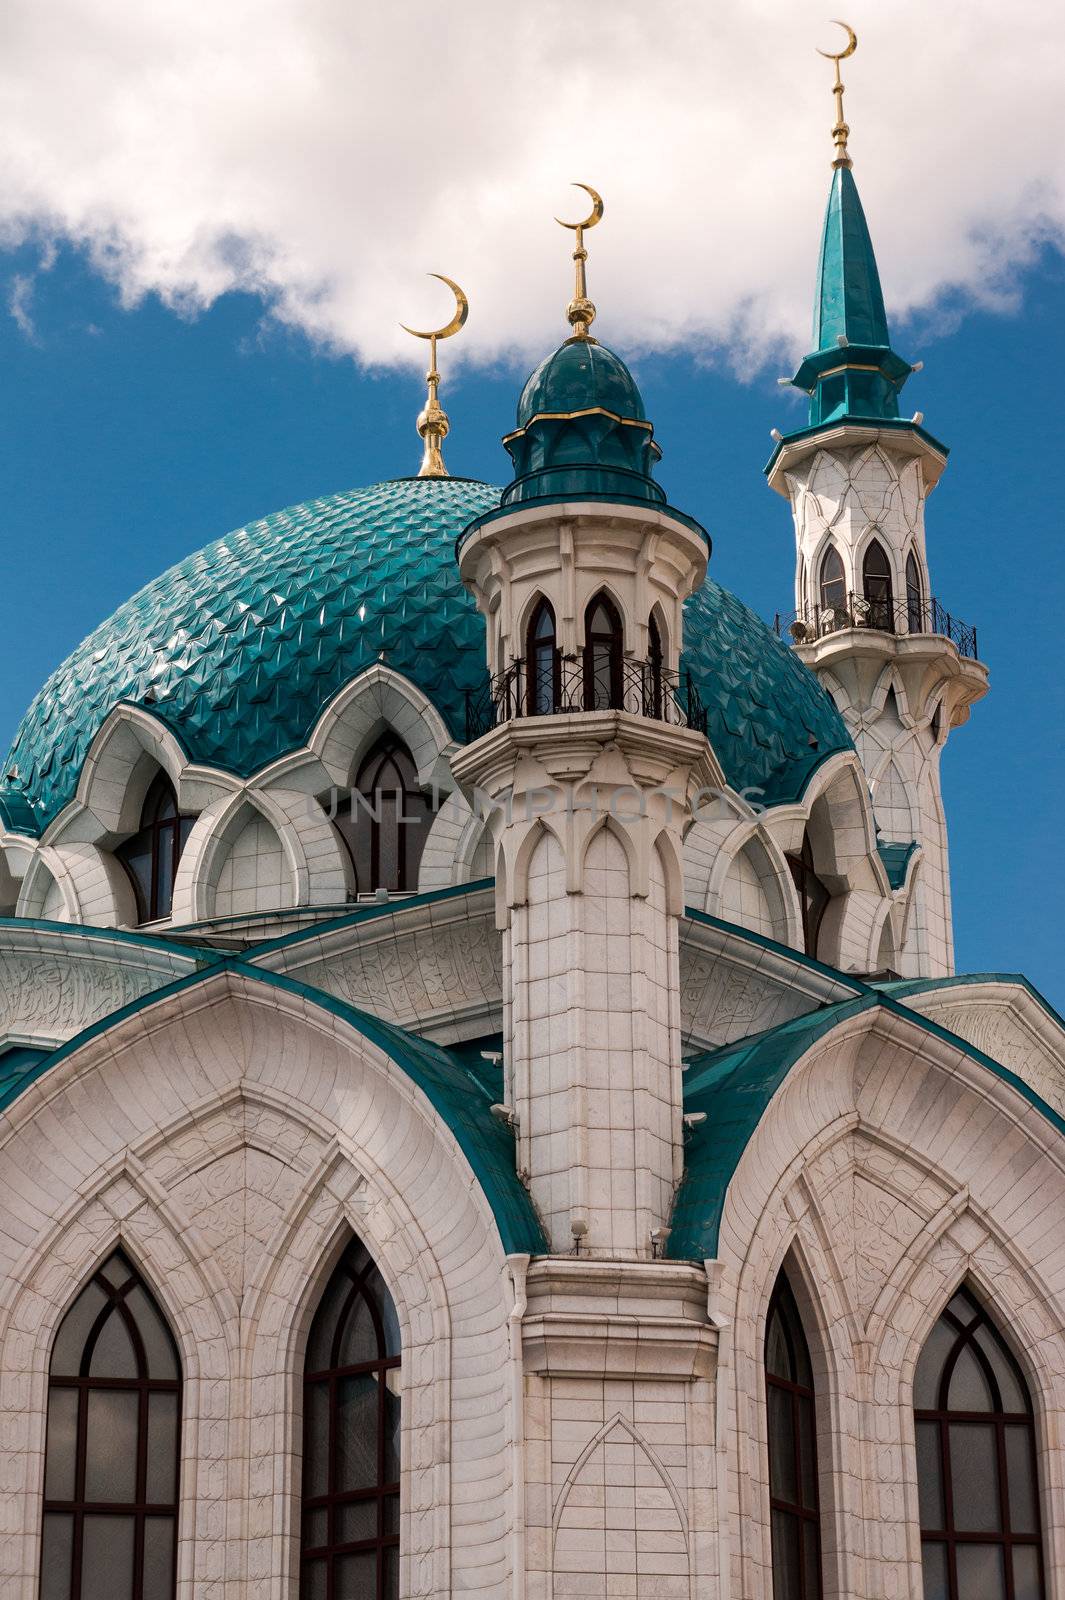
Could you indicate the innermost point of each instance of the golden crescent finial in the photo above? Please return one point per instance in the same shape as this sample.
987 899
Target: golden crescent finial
581 311
841 130
433 425
852 42
462 311
596 211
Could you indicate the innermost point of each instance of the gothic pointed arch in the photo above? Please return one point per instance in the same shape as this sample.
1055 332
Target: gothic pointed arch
795 1515
914 594
877 587
603 654
543 663
112 1447
832 581
385 820
977 1466
151 856
351 1437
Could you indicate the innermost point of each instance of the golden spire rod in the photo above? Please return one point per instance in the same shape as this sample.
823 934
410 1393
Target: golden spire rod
841 130
581 311
433 424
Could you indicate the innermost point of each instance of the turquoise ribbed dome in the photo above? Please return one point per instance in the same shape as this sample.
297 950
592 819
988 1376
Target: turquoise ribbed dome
239 648
580 375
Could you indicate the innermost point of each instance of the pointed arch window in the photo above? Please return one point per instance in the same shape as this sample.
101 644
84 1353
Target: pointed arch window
603 652
792 1434
914 595
351 1438
833 583
111 1456
876 587
976 1463
813 894
386 819
151 856
544 665
655 665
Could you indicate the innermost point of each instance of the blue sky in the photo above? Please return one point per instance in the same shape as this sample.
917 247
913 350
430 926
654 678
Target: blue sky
128 438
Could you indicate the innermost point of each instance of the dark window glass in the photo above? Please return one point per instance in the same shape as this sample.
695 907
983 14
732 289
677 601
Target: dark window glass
655 662
876 586
914 595
111 1457
603 650
544 669
386 819
796 1518
833 582
151 857
976 1463
351 1438
813 895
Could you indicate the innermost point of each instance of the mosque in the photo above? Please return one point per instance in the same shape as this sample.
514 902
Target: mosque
488 1109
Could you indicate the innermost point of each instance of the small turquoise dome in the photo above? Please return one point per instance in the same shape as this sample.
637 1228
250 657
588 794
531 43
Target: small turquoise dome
582 431
239 648
580 375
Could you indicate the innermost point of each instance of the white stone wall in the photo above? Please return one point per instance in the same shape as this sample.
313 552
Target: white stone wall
595 1042
254 875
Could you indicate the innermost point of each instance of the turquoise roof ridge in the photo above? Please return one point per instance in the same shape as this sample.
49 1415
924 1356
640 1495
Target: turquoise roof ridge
582 429
852 372
239 648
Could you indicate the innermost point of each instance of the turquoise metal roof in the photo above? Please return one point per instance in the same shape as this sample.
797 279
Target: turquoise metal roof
852 372
239 648
734 1086
582 429
457 1091
896 857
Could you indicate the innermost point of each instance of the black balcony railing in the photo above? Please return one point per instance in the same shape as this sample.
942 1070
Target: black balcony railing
883 616
568 685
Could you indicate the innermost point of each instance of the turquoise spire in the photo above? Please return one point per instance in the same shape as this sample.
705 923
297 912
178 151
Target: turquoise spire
852 372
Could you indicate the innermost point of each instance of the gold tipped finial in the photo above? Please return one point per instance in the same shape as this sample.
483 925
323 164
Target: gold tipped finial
841 130
581 311
432 421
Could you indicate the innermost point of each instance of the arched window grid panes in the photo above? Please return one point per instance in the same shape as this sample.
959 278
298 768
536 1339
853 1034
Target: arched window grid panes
977 1467
876 587
543 663
112 1449
385 820
792 1434
603 656
833 582
813 894
914 595
351 1439
151 856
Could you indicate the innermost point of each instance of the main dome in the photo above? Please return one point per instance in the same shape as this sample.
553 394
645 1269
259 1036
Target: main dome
238 649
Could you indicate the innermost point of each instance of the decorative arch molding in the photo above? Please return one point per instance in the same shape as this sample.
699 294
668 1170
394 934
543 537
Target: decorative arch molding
314 856
752 840
848 1162
197 1083
378 700
123 758
93 887
457 843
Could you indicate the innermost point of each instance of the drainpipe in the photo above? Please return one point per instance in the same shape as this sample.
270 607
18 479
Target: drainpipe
517 1268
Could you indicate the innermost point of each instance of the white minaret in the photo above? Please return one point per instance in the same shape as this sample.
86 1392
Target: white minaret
587 753
902 670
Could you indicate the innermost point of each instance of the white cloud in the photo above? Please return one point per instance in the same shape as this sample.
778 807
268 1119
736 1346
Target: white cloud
326 153
20 304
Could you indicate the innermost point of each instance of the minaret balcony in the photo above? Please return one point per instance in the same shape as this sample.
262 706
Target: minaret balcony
571 684
912 616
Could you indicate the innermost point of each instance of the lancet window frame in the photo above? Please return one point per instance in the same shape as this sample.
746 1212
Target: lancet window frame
94 1442
791 1444
386 819
878 587
914 595
832 582
150 857
604 654
543 661
965 1358
355 1317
